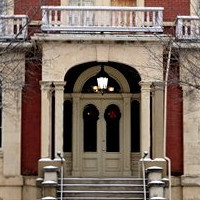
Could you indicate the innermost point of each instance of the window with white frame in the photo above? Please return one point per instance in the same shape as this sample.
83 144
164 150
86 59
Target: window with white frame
81 18
81 2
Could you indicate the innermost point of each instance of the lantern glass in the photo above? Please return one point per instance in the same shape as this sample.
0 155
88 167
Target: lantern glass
102 83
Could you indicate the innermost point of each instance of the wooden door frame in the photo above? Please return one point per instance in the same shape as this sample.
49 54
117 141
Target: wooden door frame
76 143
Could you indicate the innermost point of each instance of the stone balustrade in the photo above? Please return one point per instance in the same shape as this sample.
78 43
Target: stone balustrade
13 27
187 28
101 19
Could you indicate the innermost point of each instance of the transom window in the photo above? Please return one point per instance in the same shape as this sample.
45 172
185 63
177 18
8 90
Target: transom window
81 2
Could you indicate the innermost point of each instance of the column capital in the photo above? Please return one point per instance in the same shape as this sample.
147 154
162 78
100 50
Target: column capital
45 85
159 85
59 85
145 85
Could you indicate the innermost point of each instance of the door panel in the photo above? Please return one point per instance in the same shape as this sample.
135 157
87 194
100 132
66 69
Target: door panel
104 160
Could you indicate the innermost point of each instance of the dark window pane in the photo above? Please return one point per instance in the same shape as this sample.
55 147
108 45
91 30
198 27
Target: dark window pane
90 117
135 126
112 116
53 125
67 146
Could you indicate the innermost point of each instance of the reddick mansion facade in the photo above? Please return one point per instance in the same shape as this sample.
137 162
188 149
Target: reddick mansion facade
51 57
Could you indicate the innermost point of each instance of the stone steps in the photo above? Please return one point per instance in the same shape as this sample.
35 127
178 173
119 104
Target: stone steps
102 188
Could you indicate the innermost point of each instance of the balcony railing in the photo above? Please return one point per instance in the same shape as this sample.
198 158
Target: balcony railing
65 19
188 27
13 26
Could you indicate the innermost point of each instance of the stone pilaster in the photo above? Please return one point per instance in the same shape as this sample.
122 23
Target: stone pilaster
158 120
46 118
59 99
145 116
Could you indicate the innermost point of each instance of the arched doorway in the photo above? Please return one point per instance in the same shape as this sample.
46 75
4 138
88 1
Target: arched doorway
101 124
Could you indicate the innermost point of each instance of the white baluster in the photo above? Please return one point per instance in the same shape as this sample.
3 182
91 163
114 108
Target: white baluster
159 20
1 26
186 28
44 17
142 14
131 19
197 28
17 26
56 18
105 18
125 19
148 18
119 18
179 28
113 18
50 17
24 27
79 16
136 18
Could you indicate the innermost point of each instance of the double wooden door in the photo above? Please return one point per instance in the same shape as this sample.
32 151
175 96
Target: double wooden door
101 137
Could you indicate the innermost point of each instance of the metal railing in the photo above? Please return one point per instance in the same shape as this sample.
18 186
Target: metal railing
101 19
188 27
13 26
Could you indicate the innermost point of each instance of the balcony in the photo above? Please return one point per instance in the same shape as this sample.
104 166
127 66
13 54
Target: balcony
100 19
13 27
188 28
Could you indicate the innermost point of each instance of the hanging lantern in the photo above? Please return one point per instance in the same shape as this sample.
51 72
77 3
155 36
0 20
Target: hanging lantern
102 80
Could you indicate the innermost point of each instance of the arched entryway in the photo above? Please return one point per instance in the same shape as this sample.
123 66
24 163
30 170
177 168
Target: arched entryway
102 132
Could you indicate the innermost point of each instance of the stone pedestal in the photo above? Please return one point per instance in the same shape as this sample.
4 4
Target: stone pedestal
50 181
155 185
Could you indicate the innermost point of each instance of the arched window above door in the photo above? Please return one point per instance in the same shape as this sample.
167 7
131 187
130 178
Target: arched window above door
127 77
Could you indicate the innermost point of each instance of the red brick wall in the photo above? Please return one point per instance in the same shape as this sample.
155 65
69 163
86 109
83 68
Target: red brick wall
174 147
172 8
31 118
32 7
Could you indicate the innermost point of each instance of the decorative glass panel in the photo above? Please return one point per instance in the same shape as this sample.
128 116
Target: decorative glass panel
135 126
67 146
112 116
90 117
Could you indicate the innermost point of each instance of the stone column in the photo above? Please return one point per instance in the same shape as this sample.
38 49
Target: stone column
157 120
145 117
127 134
76 149
59 99
46 118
